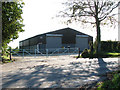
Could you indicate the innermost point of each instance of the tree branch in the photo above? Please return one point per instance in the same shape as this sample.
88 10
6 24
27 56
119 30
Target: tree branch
102 18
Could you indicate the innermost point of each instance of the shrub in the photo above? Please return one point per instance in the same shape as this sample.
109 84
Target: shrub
91 46
85 53
118 46
112 83
110 46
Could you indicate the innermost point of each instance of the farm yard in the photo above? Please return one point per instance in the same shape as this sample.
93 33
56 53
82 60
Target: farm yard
63 71
73 50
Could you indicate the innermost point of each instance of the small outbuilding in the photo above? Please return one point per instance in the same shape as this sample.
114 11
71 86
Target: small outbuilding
62 38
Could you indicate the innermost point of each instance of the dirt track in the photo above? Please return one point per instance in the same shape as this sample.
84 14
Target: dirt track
55 71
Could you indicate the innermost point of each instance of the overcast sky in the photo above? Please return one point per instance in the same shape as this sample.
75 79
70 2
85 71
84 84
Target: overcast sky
38 18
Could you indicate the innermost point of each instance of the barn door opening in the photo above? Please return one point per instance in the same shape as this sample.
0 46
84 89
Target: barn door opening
53 41
82 42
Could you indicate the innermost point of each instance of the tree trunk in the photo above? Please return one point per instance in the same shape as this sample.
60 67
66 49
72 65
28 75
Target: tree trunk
98 49
98 37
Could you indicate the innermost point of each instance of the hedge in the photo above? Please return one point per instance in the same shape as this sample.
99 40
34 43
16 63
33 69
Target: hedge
110 46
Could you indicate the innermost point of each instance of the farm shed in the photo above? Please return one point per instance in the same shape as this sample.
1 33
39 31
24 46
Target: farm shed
66 37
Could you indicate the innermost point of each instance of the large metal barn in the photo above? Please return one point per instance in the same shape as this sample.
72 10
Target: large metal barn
63 38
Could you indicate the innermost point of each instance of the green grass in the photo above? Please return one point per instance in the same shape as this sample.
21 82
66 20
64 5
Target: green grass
114 82
113 54
101 55
6 59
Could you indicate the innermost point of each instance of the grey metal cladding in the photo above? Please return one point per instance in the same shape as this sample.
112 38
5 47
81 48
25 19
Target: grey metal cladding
42 39
26 43
42 46
69 37
33 41
82 43
53 42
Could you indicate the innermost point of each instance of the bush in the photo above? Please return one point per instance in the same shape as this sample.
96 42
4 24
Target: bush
91 46
110 46
113 83
85 53
118 46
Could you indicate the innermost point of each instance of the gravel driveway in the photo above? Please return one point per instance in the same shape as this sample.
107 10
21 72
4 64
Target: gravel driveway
55 71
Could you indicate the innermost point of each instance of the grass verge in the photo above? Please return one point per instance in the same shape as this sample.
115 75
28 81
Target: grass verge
101 55
112 82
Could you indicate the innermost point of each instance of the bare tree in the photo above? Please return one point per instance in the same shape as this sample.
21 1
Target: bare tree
90 11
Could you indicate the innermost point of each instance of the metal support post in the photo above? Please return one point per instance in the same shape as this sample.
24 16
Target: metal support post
23 53
35 52
46 52
78 51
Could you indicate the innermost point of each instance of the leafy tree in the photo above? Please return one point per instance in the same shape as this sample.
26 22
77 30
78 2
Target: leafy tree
12 22
90 11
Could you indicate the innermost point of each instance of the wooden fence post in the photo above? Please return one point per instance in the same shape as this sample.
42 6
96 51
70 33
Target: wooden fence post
78 51
10 54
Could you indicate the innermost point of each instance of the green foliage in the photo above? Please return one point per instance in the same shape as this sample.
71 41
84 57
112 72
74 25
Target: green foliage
85 53
95 46
5 57
15 50
91 46
118 46
110 46
88 54
113 83
94 12
12 22
7 52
